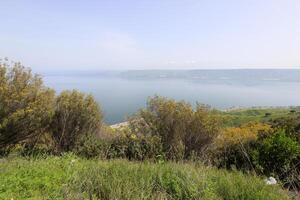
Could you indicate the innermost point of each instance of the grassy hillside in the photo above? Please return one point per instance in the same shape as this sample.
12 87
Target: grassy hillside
69 177
237 117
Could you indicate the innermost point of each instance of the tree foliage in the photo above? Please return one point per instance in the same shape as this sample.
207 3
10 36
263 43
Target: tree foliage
76 114
291 125
183 130
242 134
26 105
258 147
277 153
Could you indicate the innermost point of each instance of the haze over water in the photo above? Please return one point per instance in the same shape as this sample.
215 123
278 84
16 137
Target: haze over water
121 94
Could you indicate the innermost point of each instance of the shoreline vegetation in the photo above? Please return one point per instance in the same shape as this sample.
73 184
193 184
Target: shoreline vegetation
56 146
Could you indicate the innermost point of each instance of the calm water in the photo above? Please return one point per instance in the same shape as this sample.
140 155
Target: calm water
121 97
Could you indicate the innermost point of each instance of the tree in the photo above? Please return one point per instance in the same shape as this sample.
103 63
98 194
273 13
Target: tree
26 105
75 115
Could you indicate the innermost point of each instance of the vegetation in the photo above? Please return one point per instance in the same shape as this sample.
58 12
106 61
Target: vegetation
184 131
31 114
238 117
75 115
69 177
277 153
26 105
45 131
244 133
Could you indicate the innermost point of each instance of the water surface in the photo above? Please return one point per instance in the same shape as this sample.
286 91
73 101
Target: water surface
121 96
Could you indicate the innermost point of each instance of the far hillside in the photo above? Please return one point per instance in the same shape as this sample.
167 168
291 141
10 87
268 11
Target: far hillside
239 116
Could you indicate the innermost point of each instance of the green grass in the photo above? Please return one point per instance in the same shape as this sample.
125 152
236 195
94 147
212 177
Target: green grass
69 177
241 116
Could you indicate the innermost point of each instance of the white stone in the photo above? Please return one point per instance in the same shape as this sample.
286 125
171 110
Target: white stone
271 181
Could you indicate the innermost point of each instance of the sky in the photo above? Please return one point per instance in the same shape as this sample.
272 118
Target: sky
151 34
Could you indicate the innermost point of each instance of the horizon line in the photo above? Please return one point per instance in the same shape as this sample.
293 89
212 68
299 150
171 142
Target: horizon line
162 69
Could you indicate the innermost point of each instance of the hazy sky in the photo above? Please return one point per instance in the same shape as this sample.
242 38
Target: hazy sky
140 34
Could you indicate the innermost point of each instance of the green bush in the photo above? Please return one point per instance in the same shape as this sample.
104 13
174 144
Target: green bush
291 125
235 156
26 105
36 146
29 111
134 147
183 131
76 115
271 154
277 153
91 147
127 146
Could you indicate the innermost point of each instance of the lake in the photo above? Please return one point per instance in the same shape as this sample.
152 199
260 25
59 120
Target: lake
122 94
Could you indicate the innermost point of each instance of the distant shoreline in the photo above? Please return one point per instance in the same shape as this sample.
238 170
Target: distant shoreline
232 109
241 108
119 125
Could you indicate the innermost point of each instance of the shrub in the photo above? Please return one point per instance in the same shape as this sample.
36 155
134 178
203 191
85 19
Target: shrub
269 153
123 145
75 115
233 147
291 125
235 156
40 145
26 105
277 153
135 147
244 133
183 131
90 146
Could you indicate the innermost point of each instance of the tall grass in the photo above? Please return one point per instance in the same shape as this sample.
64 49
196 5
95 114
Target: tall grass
69 177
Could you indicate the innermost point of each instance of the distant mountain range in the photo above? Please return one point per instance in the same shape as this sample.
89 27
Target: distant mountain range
244 75
228 75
